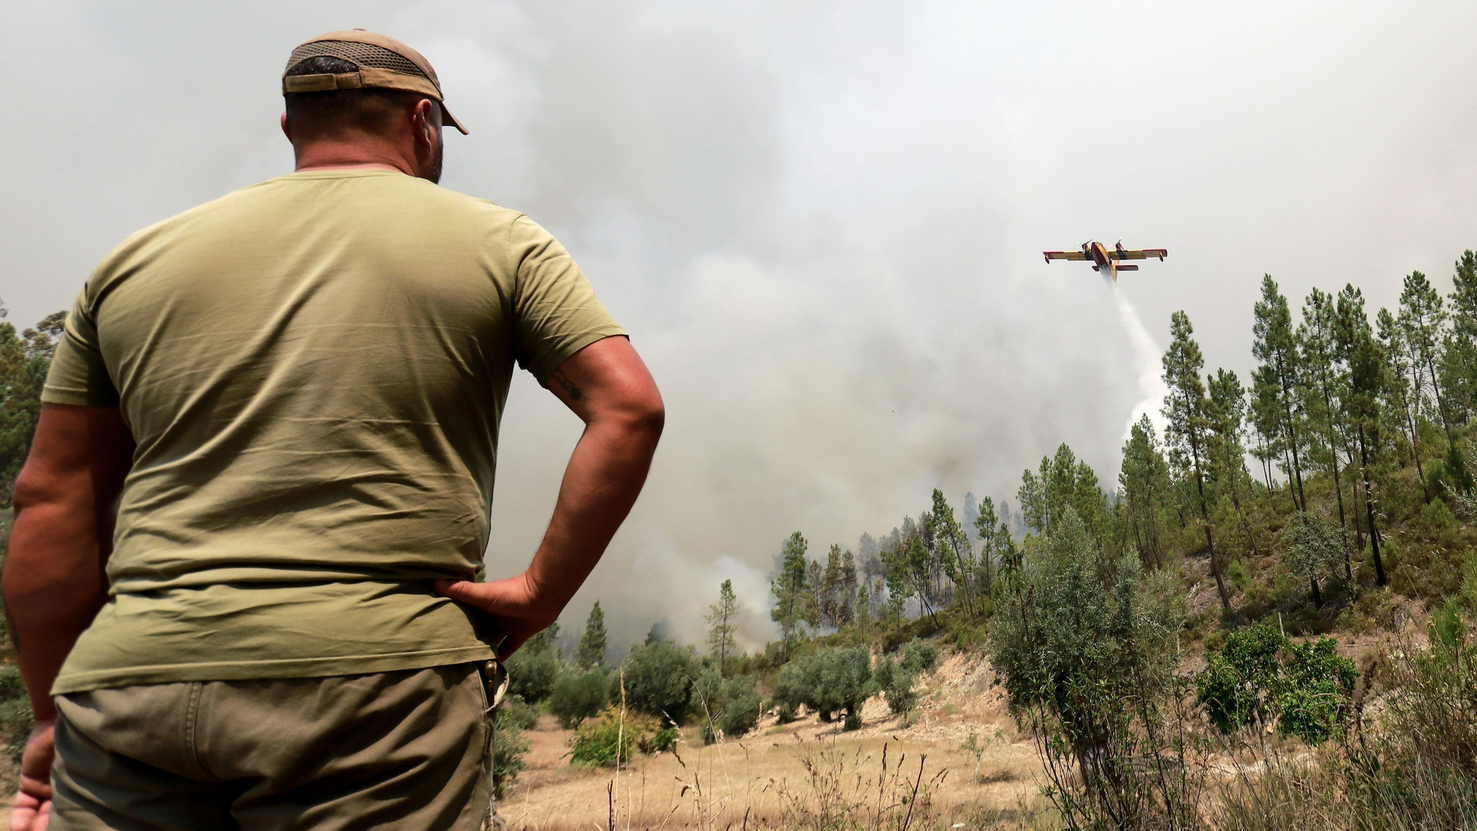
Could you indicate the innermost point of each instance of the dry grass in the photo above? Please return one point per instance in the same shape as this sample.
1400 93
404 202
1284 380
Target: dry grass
801 774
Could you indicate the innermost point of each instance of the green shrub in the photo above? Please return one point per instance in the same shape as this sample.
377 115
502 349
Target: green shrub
1231 687
1084 647
1437 515
1236 573
1413 767
742 705
896 684
15 712
612 739
1315 548
919 657
729 706
577 696
663 740
784 698
827 681
1434 704
1467 507
509 748
532 675
1260 676
520 712
658 678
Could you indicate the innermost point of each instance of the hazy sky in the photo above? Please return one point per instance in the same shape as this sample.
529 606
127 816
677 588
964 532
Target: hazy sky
821 221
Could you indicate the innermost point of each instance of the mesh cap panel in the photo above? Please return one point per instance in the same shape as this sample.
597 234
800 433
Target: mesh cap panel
363 54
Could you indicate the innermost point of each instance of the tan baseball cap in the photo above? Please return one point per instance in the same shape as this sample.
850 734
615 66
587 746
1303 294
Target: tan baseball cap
384 63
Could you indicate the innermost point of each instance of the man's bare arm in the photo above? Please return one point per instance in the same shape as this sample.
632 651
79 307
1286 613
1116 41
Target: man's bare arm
609 388
54 582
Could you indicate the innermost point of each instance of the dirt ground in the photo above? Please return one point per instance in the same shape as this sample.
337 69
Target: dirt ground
806 766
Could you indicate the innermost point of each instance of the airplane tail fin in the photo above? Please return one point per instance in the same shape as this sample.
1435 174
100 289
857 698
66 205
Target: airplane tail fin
1128 268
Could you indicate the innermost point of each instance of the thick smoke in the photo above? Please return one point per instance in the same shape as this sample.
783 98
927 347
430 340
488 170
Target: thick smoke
820 221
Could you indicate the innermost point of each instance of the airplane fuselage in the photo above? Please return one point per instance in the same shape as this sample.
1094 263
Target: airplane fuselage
1101 262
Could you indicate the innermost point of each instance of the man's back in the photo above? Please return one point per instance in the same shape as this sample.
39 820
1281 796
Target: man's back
239 576
313 369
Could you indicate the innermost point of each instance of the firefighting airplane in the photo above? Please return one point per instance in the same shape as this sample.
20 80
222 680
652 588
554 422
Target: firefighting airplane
1103 258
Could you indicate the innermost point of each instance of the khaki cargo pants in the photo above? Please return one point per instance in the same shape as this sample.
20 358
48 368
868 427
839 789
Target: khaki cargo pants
394 750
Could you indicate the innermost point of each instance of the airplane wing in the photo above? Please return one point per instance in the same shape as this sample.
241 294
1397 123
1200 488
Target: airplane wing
1139 253
1064 255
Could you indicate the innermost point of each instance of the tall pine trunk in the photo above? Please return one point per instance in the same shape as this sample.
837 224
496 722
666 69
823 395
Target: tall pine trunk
1374 531
1215 568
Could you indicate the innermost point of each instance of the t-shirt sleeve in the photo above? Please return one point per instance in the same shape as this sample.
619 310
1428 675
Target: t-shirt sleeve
556 313
78 374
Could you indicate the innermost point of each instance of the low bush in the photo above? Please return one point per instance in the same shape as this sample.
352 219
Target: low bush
729 707
520 712
612 739
742 706
658 679
1433 703
15 712
1260 677
896 684
1415 767
577 696
662 740
509 749
827 681
532 674
919 657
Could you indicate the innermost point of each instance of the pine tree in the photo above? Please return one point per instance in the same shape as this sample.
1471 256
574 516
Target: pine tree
1404 397
1349 315
993 537
1063 482
1275 345
722 625
1459 358
591 650
1369 382
1032 495
910 572
790 590
545 640
1185 409
814 578
1421 321
1145 487
1322 378
846 591
971 515
1226 417
1266 423
829 596
863 608
953 549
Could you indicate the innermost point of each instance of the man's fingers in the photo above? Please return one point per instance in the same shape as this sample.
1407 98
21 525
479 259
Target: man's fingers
462 590
28 813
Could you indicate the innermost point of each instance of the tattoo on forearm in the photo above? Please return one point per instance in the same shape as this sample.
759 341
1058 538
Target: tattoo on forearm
568 386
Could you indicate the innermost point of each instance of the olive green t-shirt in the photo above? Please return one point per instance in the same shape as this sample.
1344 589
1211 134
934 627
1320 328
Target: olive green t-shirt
313 369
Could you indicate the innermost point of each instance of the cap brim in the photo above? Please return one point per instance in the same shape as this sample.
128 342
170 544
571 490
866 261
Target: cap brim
448 118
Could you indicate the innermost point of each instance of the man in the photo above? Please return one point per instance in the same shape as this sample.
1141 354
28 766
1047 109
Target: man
238 573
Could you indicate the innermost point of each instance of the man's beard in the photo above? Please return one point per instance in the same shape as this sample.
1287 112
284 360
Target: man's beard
434 174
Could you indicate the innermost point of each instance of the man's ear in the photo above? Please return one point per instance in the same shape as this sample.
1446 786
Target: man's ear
286 131
423 121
